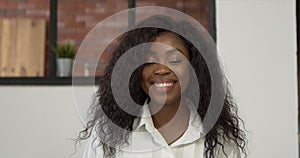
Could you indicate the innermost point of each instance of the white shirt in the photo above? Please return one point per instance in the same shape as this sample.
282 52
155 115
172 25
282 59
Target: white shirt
145 141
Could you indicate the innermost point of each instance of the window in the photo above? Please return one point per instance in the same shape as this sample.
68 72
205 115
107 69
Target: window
73 21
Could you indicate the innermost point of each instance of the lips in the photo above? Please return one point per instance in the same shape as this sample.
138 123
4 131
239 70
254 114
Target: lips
163 85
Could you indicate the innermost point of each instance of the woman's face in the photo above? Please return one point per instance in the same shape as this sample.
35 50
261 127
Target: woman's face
168 71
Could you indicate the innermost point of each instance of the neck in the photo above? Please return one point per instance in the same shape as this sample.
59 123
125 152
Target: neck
168 112
171 121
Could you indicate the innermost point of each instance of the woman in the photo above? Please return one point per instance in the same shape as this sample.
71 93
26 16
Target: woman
173 104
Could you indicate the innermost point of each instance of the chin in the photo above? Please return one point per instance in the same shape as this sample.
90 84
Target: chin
161 100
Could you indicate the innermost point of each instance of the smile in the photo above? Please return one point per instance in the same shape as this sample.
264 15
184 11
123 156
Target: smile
163 84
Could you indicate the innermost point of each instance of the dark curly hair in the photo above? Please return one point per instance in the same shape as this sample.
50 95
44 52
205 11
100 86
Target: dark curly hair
107 117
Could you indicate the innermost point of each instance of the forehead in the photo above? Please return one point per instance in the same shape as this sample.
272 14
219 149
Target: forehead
168 41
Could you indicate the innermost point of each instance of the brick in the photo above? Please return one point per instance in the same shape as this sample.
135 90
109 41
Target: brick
36 12
38 1
15 12
91 24
73 24
180 5
145 3
7 6
2 13
95 1
95 10
61 24
80 18
17 1
26 6
86 5
68 7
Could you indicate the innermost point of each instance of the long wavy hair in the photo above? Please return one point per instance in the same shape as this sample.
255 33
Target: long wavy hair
113 125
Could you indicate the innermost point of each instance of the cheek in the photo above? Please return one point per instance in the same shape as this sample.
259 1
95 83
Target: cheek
145 75
183 77
186 78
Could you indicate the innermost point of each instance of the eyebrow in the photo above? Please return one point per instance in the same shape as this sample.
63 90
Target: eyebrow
174 50
168 51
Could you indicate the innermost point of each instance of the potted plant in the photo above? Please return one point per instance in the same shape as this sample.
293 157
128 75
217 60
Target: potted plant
65 54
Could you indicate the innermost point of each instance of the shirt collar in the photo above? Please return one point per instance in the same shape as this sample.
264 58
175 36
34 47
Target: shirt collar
144 120
195 122
195 127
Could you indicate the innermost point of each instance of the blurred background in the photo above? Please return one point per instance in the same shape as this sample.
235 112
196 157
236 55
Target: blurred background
48 22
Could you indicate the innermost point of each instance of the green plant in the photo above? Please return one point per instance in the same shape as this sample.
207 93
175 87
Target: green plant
65 50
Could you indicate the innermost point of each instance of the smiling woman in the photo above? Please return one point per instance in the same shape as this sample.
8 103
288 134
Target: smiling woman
172 104
159 75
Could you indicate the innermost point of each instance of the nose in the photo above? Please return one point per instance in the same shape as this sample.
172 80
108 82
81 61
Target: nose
161 70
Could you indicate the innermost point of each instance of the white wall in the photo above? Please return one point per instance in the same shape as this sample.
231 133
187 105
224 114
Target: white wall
257 39
38 122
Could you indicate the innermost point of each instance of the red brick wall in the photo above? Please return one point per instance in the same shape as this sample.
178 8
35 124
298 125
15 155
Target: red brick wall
77 17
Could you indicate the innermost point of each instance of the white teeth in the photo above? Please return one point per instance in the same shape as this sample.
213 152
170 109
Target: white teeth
162 84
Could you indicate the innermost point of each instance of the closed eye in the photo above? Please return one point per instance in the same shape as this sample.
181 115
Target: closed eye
174 61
